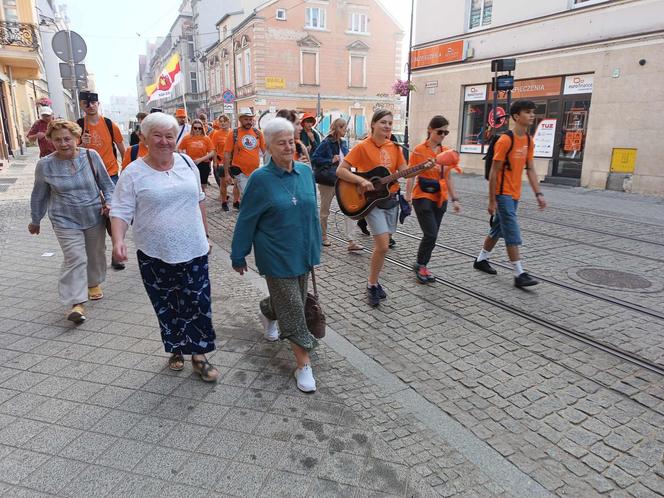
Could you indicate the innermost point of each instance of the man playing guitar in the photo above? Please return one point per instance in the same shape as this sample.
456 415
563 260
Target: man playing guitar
376 150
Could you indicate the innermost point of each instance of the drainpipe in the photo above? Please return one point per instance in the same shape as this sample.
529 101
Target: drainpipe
19 134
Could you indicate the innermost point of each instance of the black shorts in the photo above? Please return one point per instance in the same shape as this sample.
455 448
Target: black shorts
204 170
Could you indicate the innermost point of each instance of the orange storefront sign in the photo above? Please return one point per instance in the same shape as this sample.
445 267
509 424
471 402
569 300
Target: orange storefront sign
542 87
442 53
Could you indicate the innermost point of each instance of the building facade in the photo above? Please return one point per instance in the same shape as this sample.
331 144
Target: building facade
330 58
594 68
20 71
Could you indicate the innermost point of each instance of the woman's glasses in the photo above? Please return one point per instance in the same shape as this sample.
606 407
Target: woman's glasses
443 132
197 128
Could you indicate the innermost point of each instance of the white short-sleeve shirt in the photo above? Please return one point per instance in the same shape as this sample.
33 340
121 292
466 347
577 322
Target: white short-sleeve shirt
164 207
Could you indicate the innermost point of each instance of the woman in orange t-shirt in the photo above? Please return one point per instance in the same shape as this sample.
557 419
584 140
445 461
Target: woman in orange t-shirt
219 137
377 150
199 147
429 192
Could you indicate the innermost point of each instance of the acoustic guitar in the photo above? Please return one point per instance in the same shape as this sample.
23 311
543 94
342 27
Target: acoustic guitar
357 204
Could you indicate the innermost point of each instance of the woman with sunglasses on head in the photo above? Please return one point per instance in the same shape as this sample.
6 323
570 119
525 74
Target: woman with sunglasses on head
200 148
429 192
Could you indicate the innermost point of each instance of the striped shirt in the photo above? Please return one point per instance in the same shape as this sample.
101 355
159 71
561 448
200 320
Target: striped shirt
68 190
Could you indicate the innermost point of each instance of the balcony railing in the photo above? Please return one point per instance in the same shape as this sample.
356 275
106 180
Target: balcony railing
18 34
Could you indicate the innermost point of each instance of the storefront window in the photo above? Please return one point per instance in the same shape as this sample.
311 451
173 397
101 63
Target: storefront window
473 127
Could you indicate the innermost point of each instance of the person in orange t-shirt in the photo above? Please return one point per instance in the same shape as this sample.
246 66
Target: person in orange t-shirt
513 153
242 156
219 138
198 146
428 192
140 151
96 134
377 150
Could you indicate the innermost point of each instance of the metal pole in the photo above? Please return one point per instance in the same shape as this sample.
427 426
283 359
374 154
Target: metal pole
409 72
318 105
72 68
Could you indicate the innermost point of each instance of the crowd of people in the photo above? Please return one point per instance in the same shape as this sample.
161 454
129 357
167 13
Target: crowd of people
283 180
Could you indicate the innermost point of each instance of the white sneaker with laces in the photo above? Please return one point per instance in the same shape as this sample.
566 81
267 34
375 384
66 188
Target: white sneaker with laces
270 328
305 379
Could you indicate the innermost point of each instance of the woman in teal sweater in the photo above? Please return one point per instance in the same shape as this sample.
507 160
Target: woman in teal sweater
279 217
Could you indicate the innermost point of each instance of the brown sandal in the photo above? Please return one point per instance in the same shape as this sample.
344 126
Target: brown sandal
176 362
206 371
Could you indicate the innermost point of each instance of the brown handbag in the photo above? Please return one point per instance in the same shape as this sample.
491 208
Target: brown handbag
107 219
313 312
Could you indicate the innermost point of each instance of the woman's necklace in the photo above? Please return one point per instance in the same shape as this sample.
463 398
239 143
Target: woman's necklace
293 196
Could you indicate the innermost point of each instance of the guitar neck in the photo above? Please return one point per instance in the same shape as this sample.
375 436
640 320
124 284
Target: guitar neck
400 174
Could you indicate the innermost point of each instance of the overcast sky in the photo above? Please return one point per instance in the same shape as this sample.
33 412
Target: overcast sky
116 32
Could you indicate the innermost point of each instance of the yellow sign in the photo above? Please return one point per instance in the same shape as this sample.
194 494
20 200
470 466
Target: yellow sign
623 160
275 82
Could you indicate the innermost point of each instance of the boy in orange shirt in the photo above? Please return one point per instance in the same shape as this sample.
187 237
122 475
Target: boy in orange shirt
512 153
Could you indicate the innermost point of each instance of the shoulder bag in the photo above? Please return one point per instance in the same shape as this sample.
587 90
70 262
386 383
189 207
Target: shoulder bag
107 219
313 311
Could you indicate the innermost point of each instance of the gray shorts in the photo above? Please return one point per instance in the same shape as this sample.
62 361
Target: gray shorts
241 182
383 220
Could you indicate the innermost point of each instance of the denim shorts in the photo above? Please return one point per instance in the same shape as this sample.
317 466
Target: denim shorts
383 220
505 224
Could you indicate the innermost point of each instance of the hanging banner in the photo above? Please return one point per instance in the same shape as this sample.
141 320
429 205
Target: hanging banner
545 137
169 77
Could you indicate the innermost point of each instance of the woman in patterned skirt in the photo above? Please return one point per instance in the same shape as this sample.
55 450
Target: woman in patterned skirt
162 194
279 218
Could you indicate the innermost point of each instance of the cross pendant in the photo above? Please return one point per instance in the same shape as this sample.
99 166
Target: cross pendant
294 200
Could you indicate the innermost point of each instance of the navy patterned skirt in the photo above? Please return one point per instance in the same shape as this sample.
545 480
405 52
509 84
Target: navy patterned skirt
180 295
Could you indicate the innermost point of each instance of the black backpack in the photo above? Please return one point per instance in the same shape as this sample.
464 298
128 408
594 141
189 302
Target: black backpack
488 158
109 125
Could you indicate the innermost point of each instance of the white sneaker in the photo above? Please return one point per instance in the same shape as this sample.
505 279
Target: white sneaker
270 327
305 379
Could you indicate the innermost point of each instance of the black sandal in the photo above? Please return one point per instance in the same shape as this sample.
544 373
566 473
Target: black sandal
176 362
206 371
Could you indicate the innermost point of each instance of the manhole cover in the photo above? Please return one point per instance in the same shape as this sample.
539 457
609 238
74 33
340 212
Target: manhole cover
615 279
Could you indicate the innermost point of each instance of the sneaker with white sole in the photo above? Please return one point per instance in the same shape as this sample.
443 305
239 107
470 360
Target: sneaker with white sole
270 328
305 379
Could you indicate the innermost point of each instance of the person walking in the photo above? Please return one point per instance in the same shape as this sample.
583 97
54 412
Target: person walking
183 126
429 192
67 185
376 150
279 218
308 135
328 155
134 138
242 152
38 132
161 196
219 137
301 153
198 146
513 152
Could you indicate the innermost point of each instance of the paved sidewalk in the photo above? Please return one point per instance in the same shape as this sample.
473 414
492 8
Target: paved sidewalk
92 410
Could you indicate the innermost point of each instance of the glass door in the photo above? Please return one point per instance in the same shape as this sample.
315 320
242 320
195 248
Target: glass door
572 137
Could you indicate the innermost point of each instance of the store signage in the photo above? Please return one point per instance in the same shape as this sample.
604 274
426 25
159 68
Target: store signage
542 87
228 108
443 53
545 137
472 148
474 92
273 82
500 113
580 83
431 84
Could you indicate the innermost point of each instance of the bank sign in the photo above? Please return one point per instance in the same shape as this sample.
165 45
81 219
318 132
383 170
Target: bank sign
579 83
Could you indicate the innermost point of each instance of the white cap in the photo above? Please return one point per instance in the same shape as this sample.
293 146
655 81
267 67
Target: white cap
46 110
245 111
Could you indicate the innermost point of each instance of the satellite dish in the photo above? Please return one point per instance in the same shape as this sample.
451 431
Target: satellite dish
60 44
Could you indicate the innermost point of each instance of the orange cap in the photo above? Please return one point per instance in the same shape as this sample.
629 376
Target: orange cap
180 113
306 116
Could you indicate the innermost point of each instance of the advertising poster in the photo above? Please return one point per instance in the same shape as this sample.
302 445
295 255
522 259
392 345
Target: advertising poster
545 137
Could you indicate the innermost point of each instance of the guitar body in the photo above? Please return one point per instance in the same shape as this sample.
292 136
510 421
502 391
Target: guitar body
356 204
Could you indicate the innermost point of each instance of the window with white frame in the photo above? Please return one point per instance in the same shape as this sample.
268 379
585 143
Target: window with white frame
358 23
247 66
227 75
357 71
314 18
480 13
281 14
238 70
308 68
10 10
217 79
193 78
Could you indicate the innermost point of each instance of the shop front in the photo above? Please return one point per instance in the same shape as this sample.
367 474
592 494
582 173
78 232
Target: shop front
561 119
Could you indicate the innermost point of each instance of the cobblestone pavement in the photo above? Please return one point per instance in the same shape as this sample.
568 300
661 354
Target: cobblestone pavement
92 410
434 394
579 421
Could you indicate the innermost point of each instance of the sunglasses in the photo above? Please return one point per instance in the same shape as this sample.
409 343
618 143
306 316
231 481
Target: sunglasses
196 128
442 132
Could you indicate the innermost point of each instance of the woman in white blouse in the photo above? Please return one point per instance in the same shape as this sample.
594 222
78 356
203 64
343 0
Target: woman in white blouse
161 196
